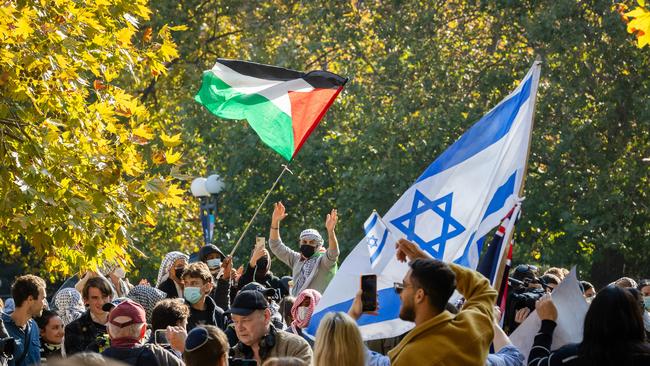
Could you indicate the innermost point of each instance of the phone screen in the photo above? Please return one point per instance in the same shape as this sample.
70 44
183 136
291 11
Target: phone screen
160 337
369 292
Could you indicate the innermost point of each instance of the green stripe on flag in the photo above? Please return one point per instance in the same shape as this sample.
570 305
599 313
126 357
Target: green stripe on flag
272 125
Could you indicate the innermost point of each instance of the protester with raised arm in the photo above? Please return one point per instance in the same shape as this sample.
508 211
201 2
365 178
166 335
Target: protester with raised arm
312 267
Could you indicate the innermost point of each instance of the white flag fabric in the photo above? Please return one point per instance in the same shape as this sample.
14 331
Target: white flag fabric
458 199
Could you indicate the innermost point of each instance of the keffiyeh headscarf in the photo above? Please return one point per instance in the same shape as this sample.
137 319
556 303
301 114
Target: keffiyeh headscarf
301 318
166 265
69 305
148 297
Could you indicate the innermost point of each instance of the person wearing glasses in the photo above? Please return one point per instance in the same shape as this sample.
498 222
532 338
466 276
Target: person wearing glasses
259 340
440 337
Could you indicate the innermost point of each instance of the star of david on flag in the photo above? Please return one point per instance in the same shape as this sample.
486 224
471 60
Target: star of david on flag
447 211
450 228
377 235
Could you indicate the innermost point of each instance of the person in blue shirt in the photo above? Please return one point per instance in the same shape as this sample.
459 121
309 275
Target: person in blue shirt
28 293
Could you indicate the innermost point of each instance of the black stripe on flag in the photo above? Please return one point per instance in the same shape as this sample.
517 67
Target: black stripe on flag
317 79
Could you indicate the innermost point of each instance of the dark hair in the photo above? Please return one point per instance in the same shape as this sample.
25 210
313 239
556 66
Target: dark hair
169 312
613 329
26 286
285 308
198 270
436 279
211 351
99 283
45 317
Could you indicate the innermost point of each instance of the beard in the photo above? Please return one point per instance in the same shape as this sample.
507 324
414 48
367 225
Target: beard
407 313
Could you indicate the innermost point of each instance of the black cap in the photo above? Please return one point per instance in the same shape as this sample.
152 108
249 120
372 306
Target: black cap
256 286
248 301
209 249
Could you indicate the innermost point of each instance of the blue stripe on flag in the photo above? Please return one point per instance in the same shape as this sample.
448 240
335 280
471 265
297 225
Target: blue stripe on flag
501 195
381 246
488 130
389 304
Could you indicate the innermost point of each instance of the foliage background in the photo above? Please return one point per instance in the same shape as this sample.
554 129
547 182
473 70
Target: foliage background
421 72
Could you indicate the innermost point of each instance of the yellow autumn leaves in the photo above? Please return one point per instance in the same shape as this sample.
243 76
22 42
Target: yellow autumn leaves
83 159
638 22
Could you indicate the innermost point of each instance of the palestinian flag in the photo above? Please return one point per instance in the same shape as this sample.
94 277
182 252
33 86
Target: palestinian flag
283 106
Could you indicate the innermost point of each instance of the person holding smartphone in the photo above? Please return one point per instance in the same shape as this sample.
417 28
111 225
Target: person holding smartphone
312 266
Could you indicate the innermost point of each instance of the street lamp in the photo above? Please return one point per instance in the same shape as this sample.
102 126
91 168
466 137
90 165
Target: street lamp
207 190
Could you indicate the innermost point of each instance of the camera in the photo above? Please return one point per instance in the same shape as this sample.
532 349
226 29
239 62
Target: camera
7 347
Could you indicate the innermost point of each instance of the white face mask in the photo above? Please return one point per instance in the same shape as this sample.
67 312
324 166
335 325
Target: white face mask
214 263
302 313
119 272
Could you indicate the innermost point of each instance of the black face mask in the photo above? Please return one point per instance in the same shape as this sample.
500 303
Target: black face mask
307 250
179 272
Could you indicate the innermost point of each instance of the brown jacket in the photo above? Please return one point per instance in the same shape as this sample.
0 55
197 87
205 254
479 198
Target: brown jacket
277 344
463 339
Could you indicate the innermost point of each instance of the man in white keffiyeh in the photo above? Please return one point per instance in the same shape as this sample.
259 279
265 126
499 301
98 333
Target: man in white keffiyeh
313 267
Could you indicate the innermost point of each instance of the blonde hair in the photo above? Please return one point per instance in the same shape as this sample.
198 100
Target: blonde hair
338 342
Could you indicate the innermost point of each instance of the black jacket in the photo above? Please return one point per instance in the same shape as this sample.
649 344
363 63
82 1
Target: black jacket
169 288
83 334
215 315
221 293
268 280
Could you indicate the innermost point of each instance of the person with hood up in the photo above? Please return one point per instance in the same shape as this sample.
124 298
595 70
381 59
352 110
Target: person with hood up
170 274
259 270
220 267
312 267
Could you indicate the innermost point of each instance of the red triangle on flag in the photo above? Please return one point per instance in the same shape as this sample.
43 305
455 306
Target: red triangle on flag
307 109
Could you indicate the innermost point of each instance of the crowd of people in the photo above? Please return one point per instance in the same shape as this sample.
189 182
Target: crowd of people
205 313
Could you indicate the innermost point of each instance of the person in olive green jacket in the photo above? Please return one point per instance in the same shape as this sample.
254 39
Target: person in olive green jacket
439 337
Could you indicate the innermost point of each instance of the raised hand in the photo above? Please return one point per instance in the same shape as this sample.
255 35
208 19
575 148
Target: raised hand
521 315
226 265
279 213
331 220
408 250
546 308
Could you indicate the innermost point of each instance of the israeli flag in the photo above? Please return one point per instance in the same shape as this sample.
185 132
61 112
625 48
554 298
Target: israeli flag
377 236
458 199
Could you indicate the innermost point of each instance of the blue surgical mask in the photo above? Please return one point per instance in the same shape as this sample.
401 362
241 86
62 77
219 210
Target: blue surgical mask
646 302
192 294
214 263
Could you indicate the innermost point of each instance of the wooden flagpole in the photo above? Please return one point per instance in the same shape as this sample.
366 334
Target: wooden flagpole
286 169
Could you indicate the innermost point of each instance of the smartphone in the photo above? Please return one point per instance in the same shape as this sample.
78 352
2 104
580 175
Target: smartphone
160 337
259 242
369 292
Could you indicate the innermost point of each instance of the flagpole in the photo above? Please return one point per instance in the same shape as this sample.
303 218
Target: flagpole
499 278
285 169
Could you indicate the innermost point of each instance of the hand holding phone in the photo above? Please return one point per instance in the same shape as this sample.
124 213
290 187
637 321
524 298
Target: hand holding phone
160 337
369 292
